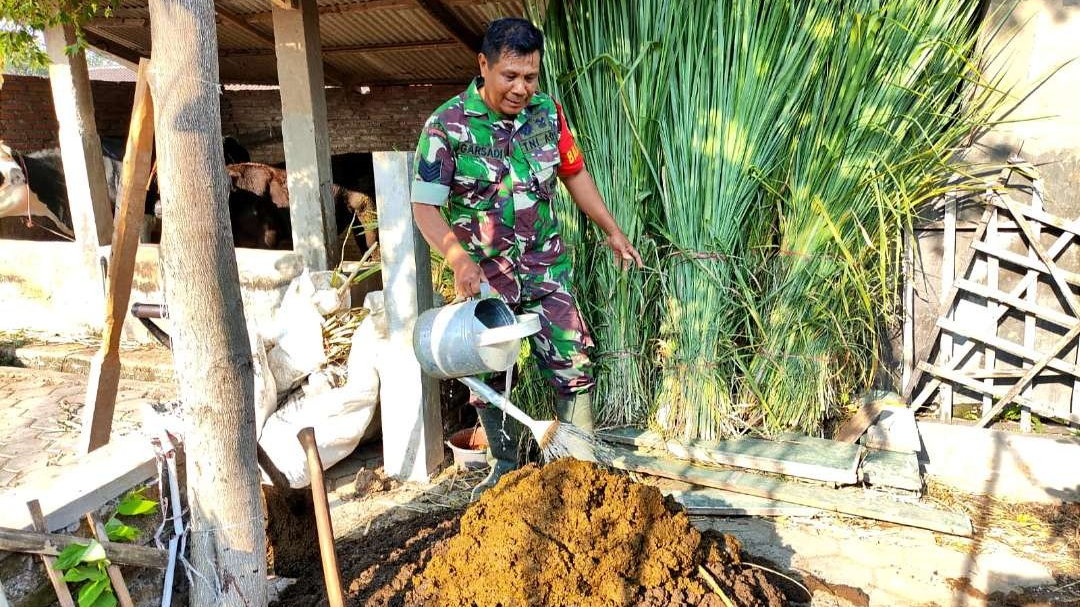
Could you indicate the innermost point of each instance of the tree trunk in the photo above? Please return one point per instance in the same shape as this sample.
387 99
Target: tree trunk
202 288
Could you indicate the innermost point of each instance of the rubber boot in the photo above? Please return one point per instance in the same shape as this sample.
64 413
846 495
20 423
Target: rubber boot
501 444
576 410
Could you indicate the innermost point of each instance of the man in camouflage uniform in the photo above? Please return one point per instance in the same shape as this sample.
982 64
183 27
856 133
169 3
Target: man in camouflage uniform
486 168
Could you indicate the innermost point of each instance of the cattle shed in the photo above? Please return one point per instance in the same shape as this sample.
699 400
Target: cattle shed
299 81
357 76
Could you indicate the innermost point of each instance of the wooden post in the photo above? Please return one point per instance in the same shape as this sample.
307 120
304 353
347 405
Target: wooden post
80 151
992 271
411 420
1032 297
56 577
910 241
305 133
948 273
105 367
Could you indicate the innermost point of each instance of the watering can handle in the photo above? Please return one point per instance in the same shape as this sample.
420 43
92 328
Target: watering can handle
526 325
485 291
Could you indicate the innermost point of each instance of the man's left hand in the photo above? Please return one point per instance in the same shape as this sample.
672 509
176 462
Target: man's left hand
625 253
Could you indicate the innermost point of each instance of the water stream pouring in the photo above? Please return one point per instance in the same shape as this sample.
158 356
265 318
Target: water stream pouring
465 339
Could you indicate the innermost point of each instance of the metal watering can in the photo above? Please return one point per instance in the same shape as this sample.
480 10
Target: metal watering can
471 337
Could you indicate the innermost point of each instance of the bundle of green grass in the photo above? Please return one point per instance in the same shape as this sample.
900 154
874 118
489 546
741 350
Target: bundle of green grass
766 157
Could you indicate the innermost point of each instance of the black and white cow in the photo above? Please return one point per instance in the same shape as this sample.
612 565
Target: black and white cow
33 186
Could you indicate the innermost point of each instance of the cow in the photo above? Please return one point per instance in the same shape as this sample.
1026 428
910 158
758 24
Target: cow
32 185
253 181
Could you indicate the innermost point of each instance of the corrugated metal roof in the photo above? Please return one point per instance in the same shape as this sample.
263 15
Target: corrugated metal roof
346 28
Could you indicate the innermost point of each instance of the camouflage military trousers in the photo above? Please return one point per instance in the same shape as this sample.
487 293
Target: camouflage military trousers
559 347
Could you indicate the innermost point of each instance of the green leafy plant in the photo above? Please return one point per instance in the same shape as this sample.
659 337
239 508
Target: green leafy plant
87 565
22 19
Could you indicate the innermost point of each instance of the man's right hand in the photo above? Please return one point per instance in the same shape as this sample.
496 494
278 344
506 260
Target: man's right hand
467 277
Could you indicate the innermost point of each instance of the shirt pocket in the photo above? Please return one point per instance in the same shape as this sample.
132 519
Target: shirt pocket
543 166
477 181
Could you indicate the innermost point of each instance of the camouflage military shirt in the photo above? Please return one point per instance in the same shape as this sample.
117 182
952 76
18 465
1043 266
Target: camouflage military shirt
495 176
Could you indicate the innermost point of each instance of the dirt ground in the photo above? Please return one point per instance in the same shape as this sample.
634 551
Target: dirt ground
566 534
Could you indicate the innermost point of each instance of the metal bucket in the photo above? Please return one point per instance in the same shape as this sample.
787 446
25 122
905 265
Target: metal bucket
469 338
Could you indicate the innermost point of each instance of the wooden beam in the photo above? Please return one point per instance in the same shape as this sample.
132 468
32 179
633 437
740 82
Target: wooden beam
980 388
412 428
123 597
948 274
439 11
891 469
354 48
68 492
110 22
1023 305
857 425
1055 250
121 54
855 502
56 577
342 9
52 544
306 135
1023 352
104 376
1021 261
833 462
330 73
964 266
716 502
121 42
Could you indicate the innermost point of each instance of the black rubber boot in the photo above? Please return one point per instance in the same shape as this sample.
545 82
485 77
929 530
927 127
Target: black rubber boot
576 410
502 445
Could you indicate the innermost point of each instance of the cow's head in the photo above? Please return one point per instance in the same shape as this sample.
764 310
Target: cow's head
12 182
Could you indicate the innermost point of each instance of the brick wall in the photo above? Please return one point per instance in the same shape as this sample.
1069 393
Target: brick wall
28 122
386 118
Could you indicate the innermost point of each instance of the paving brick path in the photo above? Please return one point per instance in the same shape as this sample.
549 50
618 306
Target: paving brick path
40 417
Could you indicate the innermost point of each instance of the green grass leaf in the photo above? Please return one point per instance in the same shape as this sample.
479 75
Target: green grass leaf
135 503
119 532
70 556
90 592
84 572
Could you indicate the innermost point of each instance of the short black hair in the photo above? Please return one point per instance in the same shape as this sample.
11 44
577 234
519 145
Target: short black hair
513 34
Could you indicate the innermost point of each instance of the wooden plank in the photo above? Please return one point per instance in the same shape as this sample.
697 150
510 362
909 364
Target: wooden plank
1023 305
856 502
1019 260
973 384
412 428
1064 291
1014 392
56 577
717 502
52 544
891 469
123 597
857 425
1031 296
992 268
909 307
104 375
1041 216
965 263
835 463
1011 374
948 274
68 492
1010 348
